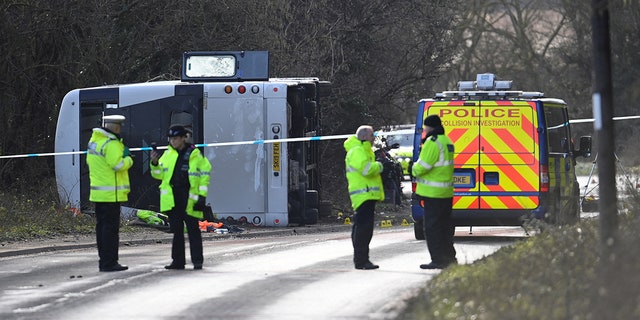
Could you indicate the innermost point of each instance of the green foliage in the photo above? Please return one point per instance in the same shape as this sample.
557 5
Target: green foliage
37 215
553 275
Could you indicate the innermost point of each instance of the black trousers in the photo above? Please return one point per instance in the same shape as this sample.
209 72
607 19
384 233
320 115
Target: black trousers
107 233
439 229
362 232
178 220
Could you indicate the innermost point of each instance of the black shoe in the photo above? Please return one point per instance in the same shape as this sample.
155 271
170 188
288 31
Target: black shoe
117 267
367 266
433 265
174 267
197 266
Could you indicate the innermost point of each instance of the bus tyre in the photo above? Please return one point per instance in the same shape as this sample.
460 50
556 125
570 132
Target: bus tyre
311 216
311 199
418 230
324 208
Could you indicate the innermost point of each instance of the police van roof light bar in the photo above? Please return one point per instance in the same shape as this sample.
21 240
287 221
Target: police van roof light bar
466 85
488 94
503 85
485 82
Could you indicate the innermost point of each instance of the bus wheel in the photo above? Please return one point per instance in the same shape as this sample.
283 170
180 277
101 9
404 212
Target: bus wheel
311 216
311 199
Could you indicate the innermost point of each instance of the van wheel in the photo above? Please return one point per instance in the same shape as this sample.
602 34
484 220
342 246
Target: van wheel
569 214
418 229
590 206
574 212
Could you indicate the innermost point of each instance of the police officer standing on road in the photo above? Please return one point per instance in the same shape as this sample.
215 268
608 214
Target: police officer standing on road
109 161
184 172
434 174
365 188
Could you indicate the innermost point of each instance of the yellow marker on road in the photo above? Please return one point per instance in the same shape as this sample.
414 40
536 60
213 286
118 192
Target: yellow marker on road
385 223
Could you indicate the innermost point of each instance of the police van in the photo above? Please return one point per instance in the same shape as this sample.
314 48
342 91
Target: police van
231 107
514 156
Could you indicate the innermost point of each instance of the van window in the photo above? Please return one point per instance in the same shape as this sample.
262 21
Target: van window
557 129
404 140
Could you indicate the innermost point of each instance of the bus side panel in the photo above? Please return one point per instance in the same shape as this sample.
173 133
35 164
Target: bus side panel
67 140
277 175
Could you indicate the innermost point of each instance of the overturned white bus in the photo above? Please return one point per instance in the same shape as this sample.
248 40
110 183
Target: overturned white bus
221 97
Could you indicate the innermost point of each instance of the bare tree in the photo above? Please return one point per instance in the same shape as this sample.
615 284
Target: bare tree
380 55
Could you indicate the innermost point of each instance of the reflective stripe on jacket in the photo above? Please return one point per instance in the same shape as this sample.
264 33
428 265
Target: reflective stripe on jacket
199 175
108 169
434 169
363 172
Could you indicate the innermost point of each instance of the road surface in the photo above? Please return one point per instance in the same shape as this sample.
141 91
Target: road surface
307 276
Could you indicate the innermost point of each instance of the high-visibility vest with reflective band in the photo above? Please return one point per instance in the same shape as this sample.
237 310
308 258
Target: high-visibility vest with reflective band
363 172
108 169
199 171
434 169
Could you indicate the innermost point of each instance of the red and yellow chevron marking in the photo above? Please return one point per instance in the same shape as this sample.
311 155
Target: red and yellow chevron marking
499 138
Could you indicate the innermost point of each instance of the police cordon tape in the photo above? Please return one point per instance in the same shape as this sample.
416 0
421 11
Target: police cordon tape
234 143
215 144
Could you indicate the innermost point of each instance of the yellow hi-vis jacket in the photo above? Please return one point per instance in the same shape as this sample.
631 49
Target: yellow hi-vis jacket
108 168
434 170
199 170
363 172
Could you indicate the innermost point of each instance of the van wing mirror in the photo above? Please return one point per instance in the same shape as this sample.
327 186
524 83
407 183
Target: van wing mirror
585 147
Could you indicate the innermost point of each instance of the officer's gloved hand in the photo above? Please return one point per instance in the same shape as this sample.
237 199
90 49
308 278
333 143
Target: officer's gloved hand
200 204
126 152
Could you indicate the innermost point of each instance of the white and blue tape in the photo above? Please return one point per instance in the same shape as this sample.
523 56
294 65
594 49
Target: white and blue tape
216 144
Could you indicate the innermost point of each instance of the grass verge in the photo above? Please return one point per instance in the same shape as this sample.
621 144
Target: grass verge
38 215
557 274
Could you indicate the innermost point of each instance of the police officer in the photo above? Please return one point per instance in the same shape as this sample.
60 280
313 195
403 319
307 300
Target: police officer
109 161
184 172
434 174
365 188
